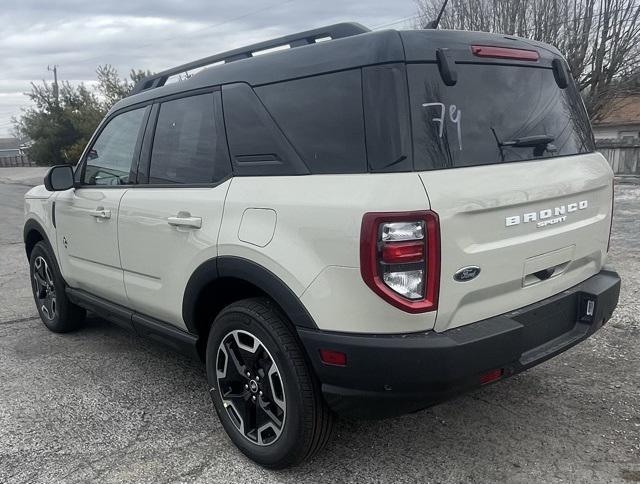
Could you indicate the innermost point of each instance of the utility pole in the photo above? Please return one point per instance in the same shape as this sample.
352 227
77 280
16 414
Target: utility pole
55 81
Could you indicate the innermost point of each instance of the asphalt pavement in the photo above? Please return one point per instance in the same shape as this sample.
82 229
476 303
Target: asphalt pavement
103 405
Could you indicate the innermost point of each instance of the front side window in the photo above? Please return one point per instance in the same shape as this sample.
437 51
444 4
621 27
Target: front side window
111 158
185 142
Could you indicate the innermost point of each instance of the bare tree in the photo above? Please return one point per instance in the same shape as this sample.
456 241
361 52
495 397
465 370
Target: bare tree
599 38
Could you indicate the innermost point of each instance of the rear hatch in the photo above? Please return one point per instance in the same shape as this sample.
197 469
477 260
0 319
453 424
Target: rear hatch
505 152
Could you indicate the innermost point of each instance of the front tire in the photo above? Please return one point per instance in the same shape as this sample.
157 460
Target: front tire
56 311
265 394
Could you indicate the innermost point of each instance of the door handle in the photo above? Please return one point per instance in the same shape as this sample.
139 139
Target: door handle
100 212
184 219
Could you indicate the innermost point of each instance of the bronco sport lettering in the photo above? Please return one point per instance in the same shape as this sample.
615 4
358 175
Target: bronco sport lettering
547 213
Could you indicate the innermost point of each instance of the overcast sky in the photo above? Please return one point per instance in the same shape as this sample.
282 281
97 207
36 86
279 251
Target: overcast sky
79 35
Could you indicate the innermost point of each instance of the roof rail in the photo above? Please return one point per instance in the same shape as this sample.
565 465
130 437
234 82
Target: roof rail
335 31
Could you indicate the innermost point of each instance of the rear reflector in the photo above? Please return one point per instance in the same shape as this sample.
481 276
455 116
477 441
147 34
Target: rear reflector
331 357
490 376
504 53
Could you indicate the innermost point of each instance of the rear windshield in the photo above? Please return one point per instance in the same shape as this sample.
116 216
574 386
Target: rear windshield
493 114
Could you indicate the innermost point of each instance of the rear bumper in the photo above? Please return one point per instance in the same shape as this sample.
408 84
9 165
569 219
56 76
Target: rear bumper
388 375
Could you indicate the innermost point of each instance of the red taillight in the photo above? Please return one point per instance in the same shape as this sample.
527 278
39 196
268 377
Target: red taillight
505 53
331 357
491 376
399 252
400 258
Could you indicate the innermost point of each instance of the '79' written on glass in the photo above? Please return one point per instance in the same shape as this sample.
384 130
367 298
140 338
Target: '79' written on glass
455 116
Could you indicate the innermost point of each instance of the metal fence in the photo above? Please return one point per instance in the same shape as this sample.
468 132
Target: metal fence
624 157
18 160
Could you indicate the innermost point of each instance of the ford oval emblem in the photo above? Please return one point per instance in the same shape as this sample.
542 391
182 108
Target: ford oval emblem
466 273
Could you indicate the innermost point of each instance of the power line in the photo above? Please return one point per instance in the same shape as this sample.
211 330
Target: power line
394 22
208 27
567 21
526 31
197 31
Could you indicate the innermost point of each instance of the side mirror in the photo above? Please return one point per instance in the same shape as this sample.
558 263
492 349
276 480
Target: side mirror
59 178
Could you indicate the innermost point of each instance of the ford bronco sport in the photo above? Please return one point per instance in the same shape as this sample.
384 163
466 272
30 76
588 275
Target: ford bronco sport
363 224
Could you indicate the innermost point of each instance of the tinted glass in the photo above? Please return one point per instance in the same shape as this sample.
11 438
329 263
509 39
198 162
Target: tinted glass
184 144
322 118
386 118
494 114
257 145
110 159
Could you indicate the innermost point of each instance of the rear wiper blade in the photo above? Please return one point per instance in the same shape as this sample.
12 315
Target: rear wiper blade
529 141
540 143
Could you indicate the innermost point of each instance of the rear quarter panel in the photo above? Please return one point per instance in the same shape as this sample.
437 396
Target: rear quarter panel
315 245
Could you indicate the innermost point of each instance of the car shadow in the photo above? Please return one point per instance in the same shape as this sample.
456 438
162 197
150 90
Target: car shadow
475 434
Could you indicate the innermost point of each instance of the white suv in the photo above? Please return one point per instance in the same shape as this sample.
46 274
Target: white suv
364 224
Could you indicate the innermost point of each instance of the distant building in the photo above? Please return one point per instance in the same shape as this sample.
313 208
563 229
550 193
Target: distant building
10 147
622 123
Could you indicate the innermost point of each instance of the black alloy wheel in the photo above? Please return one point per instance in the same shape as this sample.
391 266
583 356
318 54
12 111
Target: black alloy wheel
263 389
251 387
56 311
44 288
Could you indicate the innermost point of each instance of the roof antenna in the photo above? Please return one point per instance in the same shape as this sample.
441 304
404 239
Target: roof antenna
434 23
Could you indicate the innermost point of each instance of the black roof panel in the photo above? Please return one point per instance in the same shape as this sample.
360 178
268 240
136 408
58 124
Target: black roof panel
351 49
333 55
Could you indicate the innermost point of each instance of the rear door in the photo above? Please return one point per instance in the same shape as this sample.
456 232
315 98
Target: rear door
507 159
169 223
87 216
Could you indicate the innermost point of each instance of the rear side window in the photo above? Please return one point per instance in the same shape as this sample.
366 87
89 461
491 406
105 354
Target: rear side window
322 118
185 142
256 144
494 114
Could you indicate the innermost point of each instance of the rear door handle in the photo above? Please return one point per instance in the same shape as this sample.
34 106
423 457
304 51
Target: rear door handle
100 212
184 219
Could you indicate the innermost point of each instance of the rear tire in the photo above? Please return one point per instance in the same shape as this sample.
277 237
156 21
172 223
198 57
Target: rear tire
259 379
56 311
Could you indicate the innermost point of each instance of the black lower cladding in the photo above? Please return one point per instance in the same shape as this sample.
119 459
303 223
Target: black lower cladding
389 375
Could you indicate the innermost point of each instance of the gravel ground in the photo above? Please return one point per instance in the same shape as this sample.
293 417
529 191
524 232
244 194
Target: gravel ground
104 405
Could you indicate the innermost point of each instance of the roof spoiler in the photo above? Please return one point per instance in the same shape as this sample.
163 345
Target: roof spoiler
335 31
